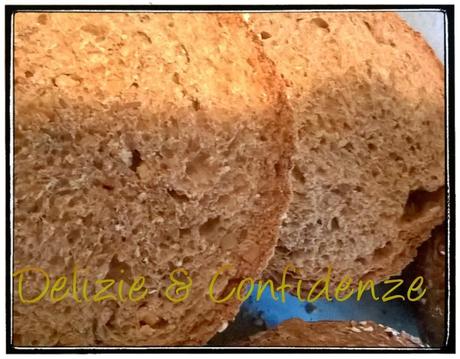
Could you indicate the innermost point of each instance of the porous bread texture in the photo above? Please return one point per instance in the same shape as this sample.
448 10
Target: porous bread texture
144 142
364 334
368 177
430 263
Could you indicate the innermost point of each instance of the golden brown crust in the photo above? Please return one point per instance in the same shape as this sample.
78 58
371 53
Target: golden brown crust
368 178
364 334
144 142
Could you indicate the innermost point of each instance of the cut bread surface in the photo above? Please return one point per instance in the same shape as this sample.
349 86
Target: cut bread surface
143 143
368 176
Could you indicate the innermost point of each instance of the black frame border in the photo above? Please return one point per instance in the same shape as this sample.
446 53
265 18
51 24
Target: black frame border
449 60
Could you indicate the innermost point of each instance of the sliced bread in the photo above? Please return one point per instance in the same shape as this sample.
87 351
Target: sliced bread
368 176
144 142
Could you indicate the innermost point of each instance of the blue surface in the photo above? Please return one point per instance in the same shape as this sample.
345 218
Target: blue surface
396 314
431 25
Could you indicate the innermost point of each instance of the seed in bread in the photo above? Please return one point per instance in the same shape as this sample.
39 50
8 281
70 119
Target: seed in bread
364 334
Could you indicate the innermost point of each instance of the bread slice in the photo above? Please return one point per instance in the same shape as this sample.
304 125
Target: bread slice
430 263
298 333
368 176
144 142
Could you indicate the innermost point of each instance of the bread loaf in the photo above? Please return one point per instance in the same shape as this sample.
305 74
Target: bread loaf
365 334
368 176
430 263
144 142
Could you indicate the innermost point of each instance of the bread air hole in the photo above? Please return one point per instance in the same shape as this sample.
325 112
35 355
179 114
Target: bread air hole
136 160
177 196
278 169
185 232
42 19
349 147
209 226
298 175
98 164
196 104
334 225
118 270
265 35
420 201
107 187
73 236
159 324
321 23
383 252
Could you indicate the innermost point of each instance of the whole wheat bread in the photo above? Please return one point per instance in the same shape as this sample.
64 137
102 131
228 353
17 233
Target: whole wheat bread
298 333
368 176
143 143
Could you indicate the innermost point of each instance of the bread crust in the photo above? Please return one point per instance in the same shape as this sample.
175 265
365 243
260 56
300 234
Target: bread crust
368 178
364 334
144 142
